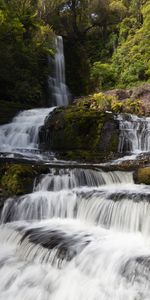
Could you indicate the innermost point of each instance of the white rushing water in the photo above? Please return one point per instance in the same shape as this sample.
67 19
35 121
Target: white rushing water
66 259
59 94
80 235
22 133
134 133
109 199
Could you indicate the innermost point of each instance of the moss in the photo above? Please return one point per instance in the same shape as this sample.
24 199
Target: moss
81 132
77 129
18 179
142 175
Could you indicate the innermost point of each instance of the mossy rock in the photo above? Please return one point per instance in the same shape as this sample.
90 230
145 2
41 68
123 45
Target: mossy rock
142 175
18 179
78 129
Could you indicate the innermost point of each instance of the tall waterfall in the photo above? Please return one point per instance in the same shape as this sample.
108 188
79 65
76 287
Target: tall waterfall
22 132
57 83
134 133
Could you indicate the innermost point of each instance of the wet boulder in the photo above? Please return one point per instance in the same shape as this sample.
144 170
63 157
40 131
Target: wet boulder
142 175
77 132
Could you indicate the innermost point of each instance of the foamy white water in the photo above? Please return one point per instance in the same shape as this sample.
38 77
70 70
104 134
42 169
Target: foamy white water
108 199
134 133
59 94
60 179
22 132
84 263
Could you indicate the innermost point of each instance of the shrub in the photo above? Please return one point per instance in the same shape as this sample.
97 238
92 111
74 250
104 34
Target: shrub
102 75
102 102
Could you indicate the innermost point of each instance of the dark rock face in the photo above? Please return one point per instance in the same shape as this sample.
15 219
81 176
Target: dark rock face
120 94
89 133
109 136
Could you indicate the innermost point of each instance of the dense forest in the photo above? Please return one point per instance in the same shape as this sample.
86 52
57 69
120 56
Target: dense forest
106 42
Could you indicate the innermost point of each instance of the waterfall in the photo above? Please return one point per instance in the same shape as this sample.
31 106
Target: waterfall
108 199
78 230
22 133
83 233
58 89
61 179
134 133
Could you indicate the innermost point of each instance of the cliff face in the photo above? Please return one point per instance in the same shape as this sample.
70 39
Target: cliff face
80 133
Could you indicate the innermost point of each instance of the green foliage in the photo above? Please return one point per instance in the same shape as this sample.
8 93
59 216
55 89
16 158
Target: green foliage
102 75
131 59
25 42
130 43
127 106
107 45
103 102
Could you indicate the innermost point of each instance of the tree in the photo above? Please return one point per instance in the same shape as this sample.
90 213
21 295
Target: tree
131 59
24 44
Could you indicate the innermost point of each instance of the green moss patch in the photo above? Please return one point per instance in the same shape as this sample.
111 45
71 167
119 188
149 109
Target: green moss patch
79 131
18 179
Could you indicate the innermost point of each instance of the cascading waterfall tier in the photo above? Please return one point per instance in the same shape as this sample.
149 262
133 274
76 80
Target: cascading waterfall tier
134 133
109 199
22 133
66 179
95 231
58 90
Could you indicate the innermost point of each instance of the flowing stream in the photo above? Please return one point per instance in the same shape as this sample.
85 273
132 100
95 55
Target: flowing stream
82 234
